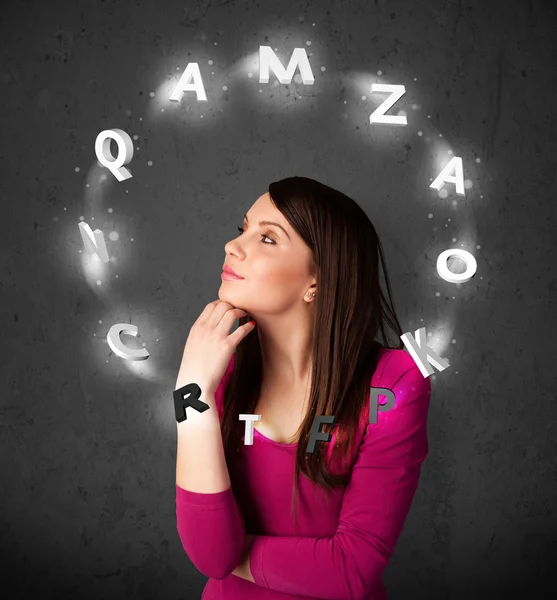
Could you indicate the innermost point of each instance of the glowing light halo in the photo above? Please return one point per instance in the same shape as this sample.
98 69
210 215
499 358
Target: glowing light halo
94 242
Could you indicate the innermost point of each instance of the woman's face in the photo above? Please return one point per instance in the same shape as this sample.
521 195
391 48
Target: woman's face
274 264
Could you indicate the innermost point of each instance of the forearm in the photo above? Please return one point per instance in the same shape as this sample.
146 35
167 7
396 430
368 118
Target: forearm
200 460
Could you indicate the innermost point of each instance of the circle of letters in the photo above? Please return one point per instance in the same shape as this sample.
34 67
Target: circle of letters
94 242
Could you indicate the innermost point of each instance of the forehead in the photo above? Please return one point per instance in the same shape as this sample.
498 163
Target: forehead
263 208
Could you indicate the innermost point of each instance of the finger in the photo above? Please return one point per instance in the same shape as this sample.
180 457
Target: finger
218 313
240 333
205 316
229 317
206 312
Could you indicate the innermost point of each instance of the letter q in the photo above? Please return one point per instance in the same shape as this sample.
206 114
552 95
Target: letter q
125 152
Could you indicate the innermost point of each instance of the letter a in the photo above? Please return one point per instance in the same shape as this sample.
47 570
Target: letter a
191 72
458 178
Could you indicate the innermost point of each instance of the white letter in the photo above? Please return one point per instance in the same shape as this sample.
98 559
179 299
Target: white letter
125 152
421 355
115 343
93 241
249 419
267 58
191 72
456 164
443 270
378 115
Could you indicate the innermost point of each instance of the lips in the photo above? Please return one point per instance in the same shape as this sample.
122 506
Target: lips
231 271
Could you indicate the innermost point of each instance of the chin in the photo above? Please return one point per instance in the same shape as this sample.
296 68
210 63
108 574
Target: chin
226 296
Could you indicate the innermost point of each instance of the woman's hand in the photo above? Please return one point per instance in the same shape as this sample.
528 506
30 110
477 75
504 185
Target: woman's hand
243 569
210 345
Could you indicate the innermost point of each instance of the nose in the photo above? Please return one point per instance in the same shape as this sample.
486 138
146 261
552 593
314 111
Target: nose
232 247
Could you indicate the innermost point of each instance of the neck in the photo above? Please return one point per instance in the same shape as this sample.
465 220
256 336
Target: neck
286 351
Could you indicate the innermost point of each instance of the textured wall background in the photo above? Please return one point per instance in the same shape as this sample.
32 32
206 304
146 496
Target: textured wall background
88 441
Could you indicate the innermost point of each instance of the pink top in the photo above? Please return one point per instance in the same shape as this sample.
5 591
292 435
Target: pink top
341 549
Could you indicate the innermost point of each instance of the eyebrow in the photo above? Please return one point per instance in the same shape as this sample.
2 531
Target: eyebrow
268 223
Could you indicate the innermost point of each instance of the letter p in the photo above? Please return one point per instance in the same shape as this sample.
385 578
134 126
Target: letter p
374 407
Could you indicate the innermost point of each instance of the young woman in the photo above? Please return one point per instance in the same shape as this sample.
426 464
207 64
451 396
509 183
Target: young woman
307 267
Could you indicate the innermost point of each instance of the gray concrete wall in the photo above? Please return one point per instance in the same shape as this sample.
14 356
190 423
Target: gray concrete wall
88 440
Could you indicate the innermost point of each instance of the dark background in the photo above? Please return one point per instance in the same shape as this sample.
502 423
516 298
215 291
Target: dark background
88 440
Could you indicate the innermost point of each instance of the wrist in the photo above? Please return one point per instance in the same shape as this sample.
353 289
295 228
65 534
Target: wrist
194 405
206 421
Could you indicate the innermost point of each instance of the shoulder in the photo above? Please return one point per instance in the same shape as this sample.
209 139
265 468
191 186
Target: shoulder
394 366
396 371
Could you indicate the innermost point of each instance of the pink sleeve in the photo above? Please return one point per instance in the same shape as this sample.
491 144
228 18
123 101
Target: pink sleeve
211 526
377 499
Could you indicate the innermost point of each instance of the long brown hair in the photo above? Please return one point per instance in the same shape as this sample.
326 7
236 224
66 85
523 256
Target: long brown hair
350 310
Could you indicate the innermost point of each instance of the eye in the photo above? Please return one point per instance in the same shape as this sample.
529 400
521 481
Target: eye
262 235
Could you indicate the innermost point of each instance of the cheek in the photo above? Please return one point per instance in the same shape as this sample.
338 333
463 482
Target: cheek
283 272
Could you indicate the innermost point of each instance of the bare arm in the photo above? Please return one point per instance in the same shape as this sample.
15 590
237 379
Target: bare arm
200 461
